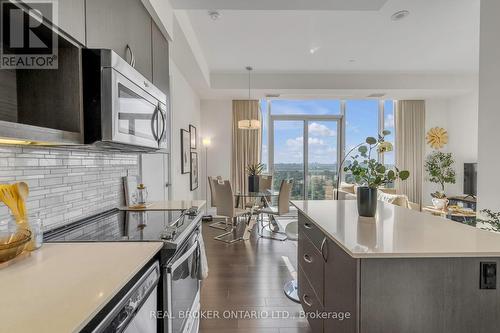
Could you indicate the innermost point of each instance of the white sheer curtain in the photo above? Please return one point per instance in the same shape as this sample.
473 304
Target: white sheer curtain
409 119
246 143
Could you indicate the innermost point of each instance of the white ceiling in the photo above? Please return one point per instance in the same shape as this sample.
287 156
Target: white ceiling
280 4
438 36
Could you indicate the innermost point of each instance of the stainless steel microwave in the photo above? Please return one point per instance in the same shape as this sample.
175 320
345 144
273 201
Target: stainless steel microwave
121 107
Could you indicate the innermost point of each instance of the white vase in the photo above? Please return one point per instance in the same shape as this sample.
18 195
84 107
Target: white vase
440 203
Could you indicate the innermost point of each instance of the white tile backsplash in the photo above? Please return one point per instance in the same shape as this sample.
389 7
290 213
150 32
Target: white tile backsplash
67 184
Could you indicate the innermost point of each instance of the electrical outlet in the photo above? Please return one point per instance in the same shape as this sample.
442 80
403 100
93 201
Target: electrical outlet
488 275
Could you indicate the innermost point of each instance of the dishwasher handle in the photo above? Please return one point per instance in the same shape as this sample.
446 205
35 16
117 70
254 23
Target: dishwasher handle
124 311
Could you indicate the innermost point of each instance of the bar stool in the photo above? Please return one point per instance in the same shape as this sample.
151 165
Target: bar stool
291 288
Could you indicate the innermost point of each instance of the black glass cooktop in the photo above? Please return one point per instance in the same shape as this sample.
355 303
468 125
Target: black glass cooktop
117 225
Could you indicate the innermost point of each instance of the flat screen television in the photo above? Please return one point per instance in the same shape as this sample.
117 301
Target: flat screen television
470 179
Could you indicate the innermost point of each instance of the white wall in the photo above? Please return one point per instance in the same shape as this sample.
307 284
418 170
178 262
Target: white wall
459 116
216 118
463 133
185 111
489 113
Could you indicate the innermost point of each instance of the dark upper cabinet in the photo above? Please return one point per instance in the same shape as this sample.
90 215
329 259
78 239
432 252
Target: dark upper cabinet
114 24
160 60
72 18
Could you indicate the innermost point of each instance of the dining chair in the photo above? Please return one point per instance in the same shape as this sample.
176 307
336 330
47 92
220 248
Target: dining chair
225 208
265 184
221 225
281 210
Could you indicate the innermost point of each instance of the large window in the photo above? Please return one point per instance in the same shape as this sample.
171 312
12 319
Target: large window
361 121
305 139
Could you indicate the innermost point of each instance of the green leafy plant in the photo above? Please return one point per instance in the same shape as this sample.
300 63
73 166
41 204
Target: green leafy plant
492 220
255 169
367 170
439 167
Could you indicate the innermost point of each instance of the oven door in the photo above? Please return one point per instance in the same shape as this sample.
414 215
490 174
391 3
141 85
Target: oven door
183 288
138 118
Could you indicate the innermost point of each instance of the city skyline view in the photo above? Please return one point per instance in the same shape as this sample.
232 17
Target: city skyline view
323 138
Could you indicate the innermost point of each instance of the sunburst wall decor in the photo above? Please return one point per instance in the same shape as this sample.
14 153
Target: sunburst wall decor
437 137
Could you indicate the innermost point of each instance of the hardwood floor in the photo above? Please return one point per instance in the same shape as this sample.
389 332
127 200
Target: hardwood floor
245 283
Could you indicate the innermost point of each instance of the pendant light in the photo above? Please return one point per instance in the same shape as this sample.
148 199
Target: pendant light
249 124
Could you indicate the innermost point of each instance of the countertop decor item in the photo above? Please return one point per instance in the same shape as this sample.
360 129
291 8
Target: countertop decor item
13 243
13 196
140 197
254 170
370 174
439 167
437 137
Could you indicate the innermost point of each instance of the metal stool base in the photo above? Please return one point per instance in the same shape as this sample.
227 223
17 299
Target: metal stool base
291 290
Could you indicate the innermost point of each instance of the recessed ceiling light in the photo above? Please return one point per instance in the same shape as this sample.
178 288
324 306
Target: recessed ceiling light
214 15
399 15
313 50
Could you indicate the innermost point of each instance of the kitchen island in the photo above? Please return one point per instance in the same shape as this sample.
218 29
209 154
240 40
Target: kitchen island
402 271
62 287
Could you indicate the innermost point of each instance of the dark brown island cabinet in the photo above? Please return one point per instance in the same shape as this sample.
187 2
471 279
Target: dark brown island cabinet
403 271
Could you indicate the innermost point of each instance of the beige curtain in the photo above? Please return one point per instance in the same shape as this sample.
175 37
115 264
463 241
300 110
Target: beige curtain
409 118
246 143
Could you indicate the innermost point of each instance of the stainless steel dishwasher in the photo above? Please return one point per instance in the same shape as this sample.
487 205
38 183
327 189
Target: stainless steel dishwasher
134 313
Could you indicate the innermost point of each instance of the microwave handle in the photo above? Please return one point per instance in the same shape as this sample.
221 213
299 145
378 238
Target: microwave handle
153 119
132 57
164 122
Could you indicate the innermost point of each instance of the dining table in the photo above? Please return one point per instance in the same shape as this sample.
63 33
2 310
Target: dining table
273 230
257 197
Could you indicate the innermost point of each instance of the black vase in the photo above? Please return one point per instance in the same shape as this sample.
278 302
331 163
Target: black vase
253 183
367 201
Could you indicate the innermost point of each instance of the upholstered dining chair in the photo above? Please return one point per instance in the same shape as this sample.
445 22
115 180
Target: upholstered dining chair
221 225
281 210
284 195
225 208
265 184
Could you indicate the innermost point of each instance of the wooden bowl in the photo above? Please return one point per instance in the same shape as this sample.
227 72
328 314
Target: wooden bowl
12 246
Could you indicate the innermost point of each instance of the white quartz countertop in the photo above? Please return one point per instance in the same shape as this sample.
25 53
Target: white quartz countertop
397 232
61 287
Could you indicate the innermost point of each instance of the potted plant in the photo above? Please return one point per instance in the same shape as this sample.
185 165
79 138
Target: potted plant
371 174
439 167
489 220
254 170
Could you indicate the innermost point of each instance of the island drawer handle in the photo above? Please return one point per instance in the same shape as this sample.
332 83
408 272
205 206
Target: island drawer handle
323 247
307 258
307 226
304 298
